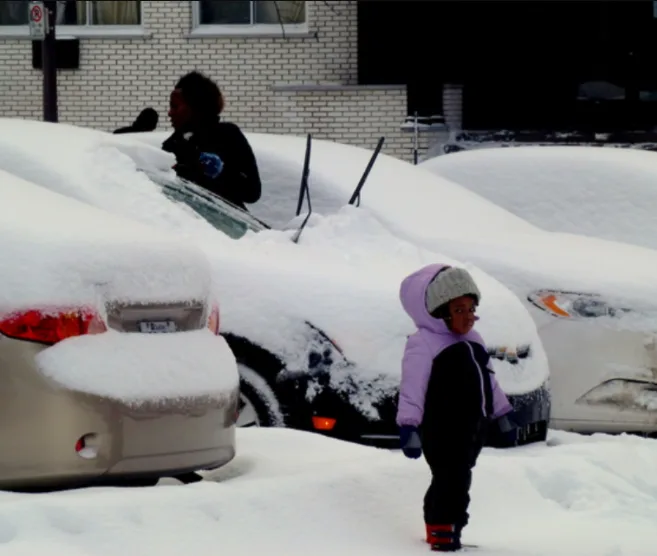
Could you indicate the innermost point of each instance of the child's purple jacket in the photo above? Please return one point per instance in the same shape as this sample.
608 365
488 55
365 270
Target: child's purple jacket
423 347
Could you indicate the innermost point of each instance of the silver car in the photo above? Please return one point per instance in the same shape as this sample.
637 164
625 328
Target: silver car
112 366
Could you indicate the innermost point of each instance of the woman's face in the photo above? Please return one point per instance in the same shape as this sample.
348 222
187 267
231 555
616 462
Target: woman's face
180 112
462 314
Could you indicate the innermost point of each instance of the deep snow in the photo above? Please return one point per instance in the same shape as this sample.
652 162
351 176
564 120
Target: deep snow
606 193
290 493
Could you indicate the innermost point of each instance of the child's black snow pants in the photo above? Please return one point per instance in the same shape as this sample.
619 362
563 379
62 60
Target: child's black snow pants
451 457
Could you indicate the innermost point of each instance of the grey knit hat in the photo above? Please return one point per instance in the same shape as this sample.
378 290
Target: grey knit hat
450 283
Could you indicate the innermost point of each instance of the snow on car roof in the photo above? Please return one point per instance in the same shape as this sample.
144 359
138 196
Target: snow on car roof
73 161
445 217
609 193
58 251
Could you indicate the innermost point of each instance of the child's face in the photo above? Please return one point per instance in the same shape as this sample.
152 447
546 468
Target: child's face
462 312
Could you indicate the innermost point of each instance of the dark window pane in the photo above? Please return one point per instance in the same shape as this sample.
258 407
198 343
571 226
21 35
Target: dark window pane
72 12
13 12
225 12
115 12
289 12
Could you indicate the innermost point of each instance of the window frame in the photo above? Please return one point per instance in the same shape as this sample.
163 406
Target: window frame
246 30
82 31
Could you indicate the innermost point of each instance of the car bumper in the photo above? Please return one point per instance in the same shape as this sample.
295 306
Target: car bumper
348 423
149 439
531 414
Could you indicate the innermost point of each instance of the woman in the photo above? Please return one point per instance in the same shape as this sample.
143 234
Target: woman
213 154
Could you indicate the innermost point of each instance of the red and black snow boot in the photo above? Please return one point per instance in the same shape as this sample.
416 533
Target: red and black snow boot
444 538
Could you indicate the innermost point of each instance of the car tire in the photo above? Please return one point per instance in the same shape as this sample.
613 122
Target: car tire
258 405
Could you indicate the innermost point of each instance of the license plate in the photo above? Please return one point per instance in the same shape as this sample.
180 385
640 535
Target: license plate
157 326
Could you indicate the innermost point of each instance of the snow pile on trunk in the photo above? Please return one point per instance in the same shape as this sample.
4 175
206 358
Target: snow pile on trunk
137 367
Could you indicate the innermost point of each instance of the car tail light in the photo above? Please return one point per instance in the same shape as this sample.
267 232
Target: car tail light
213 321
323 423
50 328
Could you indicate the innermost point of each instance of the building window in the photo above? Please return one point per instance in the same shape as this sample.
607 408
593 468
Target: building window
76 17
250 17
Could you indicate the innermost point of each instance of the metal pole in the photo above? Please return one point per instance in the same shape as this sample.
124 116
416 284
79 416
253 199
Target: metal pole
415 138
48 58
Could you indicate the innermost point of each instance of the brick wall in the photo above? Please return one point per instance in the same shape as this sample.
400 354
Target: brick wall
120 76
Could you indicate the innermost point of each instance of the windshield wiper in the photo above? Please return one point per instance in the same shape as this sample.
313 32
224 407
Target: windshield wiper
356 194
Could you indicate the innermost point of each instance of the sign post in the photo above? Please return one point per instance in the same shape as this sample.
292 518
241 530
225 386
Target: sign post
37 20
42 27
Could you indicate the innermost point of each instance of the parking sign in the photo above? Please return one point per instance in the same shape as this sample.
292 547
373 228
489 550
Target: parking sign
38 18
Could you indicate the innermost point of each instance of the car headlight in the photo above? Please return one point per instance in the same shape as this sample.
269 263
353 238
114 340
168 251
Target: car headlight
636 395
572 304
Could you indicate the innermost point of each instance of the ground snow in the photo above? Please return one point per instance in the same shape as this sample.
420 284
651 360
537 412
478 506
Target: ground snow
606 193
137 367
293 494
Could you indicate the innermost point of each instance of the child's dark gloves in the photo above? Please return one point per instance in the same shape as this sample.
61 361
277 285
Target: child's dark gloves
410 442
509 428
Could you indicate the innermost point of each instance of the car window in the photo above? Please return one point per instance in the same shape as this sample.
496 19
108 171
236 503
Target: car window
222 215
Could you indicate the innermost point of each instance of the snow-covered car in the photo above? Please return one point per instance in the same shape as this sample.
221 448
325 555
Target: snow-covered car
112 366
316 325
594 301
610 193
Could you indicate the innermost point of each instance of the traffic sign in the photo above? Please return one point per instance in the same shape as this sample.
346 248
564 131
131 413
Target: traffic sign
38 19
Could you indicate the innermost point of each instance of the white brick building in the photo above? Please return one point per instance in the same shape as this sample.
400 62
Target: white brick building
131 54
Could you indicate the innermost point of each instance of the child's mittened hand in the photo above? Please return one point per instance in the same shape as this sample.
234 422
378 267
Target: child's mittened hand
410 442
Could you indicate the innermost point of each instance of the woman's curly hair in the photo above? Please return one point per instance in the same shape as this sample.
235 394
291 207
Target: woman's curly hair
201 94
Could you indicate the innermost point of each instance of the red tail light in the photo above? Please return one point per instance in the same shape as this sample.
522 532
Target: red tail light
213 321
50 328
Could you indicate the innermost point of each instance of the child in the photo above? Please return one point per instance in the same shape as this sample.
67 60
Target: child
447 395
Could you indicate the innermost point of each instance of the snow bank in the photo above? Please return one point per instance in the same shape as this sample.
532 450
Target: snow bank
606 193
582 495
137 367
57 252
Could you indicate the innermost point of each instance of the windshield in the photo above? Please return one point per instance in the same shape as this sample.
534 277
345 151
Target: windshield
221 214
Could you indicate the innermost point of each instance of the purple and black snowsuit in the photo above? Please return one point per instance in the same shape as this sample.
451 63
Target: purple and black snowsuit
449 392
